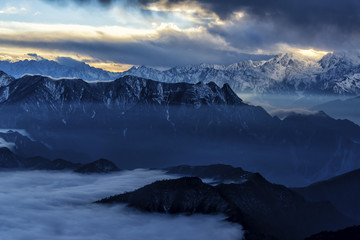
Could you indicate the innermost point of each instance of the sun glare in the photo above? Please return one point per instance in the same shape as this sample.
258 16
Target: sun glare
312 53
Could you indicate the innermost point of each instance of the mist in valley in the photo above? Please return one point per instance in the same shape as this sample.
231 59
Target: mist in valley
59 205
283 105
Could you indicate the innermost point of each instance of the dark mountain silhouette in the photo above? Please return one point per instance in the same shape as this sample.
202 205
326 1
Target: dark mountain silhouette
98 166
342 191
9 160
264 209
351 233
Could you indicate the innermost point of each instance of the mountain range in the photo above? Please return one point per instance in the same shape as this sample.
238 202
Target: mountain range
265 210
285 73
138 122
348 108
335 73
62 68
12 161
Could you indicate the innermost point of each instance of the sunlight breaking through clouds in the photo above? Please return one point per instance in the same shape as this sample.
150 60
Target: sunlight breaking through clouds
134 30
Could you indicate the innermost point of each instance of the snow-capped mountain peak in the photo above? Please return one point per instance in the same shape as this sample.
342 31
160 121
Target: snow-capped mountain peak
335 73
284 73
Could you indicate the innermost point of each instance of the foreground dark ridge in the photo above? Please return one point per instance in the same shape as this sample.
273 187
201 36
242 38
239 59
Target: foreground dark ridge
262 208
351 233
218 173
138 122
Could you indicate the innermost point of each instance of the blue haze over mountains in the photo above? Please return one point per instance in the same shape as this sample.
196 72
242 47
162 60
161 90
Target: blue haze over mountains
192 115
137 122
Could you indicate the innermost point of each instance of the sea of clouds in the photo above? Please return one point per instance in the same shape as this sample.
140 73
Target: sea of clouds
43 205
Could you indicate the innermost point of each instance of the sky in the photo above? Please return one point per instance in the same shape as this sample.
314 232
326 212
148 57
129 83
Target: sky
118 34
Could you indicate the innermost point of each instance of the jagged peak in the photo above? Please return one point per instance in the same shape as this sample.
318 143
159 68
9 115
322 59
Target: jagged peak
140 89
5 79
330 60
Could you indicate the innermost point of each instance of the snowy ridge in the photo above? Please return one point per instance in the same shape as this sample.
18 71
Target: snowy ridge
123 93
285 73
335 73
67 68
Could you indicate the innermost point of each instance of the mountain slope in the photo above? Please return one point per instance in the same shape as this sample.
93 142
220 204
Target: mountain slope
348 109
219 173
342 191
261 207
22 144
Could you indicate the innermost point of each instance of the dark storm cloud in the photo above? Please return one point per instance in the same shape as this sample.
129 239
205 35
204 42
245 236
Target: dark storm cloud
169 50
325 24
35 56
61 2
342 14
290 21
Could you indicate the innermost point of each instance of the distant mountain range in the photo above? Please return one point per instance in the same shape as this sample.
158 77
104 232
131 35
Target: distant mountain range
143 123
12 161
343 109
63 68
284 73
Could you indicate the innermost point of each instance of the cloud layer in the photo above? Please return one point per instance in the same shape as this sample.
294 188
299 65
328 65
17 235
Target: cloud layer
57 206
178 32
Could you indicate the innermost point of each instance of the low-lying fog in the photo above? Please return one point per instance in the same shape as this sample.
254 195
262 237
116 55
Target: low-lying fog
288 101
58 205
282 105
